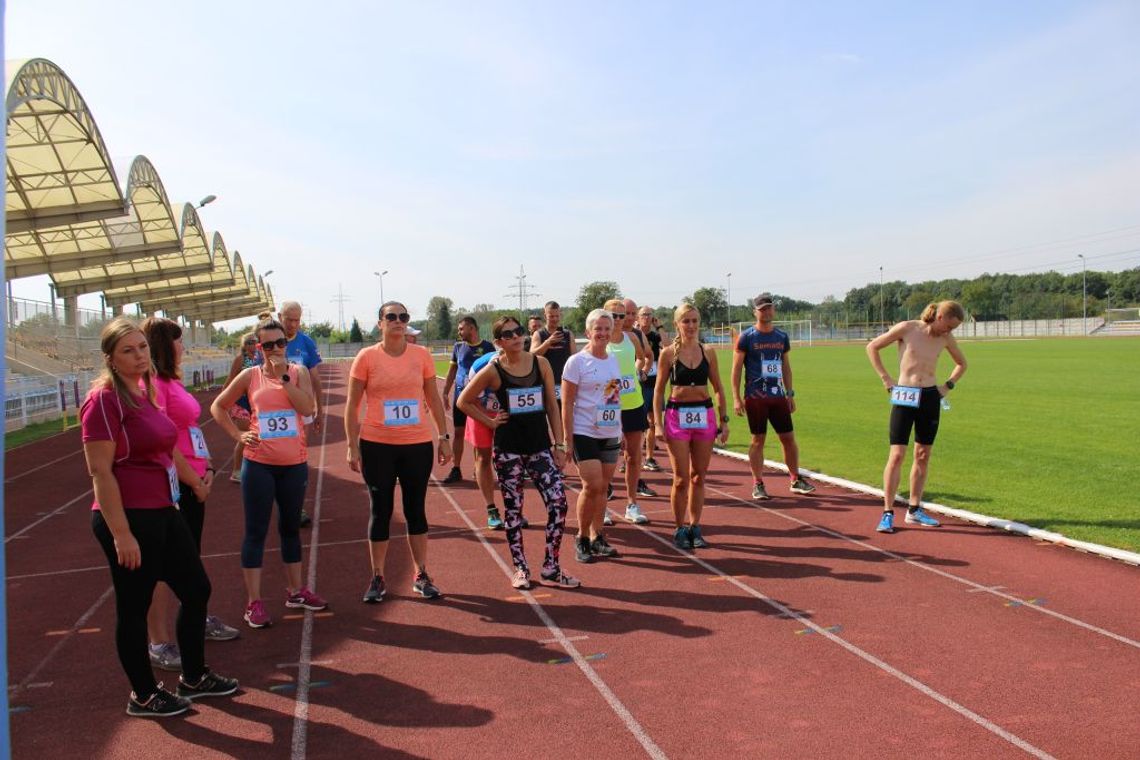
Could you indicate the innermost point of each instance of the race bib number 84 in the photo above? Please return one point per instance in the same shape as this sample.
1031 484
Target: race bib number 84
693 417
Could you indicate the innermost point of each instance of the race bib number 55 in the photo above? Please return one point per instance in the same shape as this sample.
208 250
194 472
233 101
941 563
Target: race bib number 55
525 400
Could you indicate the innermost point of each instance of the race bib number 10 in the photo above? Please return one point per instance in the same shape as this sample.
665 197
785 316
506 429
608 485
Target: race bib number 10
902 395
525 400
277 424
402 412
608 416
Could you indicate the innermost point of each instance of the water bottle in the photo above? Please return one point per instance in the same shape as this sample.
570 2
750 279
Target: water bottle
945 404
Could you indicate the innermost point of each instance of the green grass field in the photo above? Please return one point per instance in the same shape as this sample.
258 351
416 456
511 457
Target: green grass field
1040 431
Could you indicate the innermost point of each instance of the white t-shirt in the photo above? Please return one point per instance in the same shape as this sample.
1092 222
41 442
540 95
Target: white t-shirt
597 405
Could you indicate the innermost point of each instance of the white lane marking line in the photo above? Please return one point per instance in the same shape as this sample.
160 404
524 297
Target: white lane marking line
304 665
42 466
983 588
559 641
283 665
615 704
20 533
788 613
928 568
30 678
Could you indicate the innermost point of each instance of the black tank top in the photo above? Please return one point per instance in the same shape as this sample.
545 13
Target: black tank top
557 356
680 375
526 431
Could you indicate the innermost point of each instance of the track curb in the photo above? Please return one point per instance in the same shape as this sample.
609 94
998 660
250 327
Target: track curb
1010 526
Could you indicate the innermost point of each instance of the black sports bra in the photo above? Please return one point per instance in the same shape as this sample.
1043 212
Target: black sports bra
680 375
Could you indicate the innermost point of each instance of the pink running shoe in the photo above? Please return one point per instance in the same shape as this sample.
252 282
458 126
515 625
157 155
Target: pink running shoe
256 615
303 598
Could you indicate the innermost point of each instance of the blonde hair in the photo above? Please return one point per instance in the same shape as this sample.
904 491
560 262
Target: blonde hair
113 332
682 309
947 308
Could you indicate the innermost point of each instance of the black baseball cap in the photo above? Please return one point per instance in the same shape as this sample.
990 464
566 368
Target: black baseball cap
764 299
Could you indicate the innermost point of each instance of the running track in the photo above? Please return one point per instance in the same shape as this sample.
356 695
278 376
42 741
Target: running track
801 633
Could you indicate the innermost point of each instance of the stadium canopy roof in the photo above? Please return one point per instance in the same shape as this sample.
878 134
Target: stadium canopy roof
58 168
245 286
147 229
219 275
191 255
222 312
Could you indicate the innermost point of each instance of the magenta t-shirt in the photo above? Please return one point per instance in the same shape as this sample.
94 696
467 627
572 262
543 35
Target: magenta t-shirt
184 411
144 439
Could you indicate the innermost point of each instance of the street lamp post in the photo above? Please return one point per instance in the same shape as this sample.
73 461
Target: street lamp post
381 276
1084 297
882 304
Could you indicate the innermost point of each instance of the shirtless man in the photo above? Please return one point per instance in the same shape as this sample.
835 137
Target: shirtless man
916 400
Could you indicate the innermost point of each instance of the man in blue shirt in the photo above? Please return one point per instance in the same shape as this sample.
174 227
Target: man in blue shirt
467 349
302 350
762 352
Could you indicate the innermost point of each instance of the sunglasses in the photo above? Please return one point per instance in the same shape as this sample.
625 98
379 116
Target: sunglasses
403 316
618 316
268 344
507 334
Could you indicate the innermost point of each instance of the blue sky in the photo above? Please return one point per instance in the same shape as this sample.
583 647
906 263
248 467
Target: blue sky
661 145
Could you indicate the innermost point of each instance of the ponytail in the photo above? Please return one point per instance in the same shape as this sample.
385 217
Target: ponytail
948 308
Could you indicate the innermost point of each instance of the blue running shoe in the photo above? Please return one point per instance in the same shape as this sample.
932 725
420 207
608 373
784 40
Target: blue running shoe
887 524
920 517
494 521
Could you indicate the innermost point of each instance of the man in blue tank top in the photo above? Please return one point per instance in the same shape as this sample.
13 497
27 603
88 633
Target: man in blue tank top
467 349
762 352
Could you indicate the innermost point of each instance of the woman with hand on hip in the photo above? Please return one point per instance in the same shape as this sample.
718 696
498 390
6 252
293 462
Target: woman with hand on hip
687 422
129 443
275 468
395 378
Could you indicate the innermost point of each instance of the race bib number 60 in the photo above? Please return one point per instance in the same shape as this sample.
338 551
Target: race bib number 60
402 412
277 424
525 400
608 416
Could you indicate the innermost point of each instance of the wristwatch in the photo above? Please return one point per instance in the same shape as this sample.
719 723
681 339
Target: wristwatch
950 384
560 446
285 377
790 393
445 437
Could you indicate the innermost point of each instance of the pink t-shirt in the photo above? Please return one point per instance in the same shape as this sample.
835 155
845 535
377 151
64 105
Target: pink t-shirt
396 411
185 412
144 439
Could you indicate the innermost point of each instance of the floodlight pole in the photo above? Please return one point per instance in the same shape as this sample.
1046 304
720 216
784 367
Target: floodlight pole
882 304
728 299
1084 297
381 276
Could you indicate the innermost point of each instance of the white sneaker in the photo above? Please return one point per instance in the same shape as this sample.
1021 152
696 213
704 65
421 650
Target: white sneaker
633 514
606 519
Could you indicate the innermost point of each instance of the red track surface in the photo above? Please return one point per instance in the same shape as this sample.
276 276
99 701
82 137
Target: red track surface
802 632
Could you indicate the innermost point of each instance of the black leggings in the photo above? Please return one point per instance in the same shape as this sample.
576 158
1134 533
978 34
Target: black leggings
382 465
169 555
193 512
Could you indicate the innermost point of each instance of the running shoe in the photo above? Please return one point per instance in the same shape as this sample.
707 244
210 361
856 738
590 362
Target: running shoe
216 630
161 704
644 490
651 465
454 476
920 517
302 598
887 523
523 522
759 493
607 519
633 514
166 657
560 579
699 541
799 485
494 520
376 590
621 468
235 476
256 615
521 578
610 492
209 685
582 550
306 520
600 547
682 539
424 587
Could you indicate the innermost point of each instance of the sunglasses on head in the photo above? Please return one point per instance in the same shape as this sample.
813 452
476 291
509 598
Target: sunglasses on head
392 317
517 332
268 344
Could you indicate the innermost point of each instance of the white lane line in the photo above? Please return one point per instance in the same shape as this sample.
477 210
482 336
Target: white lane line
930 569
615 704
304 664
789 614
30 678
25 473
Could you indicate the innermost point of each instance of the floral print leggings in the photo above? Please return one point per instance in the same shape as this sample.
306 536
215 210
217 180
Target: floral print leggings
511 470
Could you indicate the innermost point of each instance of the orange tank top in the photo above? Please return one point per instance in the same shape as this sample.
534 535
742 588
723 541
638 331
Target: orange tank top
280 426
